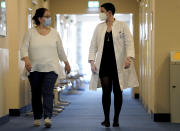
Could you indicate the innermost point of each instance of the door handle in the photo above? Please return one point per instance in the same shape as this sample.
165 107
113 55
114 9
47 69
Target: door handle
173 86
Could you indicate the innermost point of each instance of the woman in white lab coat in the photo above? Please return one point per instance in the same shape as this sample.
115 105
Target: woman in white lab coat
111 56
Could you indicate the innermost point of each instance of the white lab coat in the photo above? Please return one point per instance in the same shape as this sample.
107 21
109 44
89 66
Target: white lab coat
123 47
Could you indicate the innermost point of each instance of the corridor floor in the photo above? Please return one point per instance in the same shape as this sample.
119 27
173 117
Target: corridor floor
85 114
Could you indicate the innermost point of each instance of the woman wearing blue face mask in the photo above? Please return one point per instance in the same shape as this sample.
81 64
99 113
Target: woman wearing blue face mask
111 57
41 51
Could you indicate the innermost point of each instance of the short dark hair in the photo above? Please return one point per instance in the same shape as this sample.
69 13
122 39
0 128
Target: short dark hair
109 7
39 13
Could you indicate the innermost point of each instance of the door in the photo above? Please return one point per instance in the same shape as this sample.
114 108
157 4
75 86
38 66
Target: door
175 92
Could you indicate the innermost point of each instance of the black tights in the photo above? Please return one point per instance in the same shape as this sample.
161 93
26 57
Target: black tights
107 83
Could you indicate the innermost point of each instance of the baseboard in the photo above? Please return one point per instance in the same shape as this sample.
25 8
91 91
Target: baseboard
4 119
14 112
26 109
18 112
136 95
161 117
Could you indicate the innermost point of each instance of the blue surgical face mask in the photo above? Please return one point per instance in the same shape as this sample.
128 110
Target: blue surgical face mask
47 21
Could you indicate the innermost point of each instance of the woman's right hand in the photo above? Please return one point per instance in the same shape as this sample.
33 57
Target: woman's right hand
27 64
93 67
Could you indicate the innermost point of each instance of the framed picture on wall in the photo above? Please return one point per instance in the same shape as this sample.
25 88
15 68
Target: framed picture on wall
151 21
29 19
2 17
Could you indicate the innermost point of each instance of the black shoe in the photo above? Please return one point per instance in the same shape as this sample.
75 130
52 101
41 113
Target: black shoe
115 124
105 123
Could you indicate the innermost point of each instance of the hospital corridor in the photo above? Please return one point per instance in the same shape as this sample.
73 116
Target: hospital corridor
89 65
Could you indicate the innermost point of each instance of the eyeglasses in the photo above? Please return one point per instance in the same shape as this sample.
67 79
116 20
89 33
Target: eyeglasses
47 16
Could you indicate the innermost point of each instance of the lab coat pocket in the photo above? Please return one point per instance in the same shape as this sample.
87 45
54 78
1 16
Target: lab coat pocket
126 73
120 34
131 77
120 37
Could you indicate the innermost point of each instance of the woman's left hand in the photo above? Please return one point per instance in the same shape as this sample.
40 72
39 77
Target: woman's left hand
67 67
127 62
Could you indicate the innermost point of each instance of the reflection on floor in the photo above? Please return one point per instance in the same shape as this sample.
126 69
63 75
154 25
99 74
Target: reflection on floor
85 114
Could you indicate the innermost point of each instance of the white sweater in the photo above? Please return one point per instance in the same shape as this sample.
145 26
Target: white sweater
44 52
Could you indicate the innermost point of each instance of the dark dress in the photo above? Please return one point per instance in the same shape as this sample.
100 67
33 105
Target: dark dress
108 61
109 79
